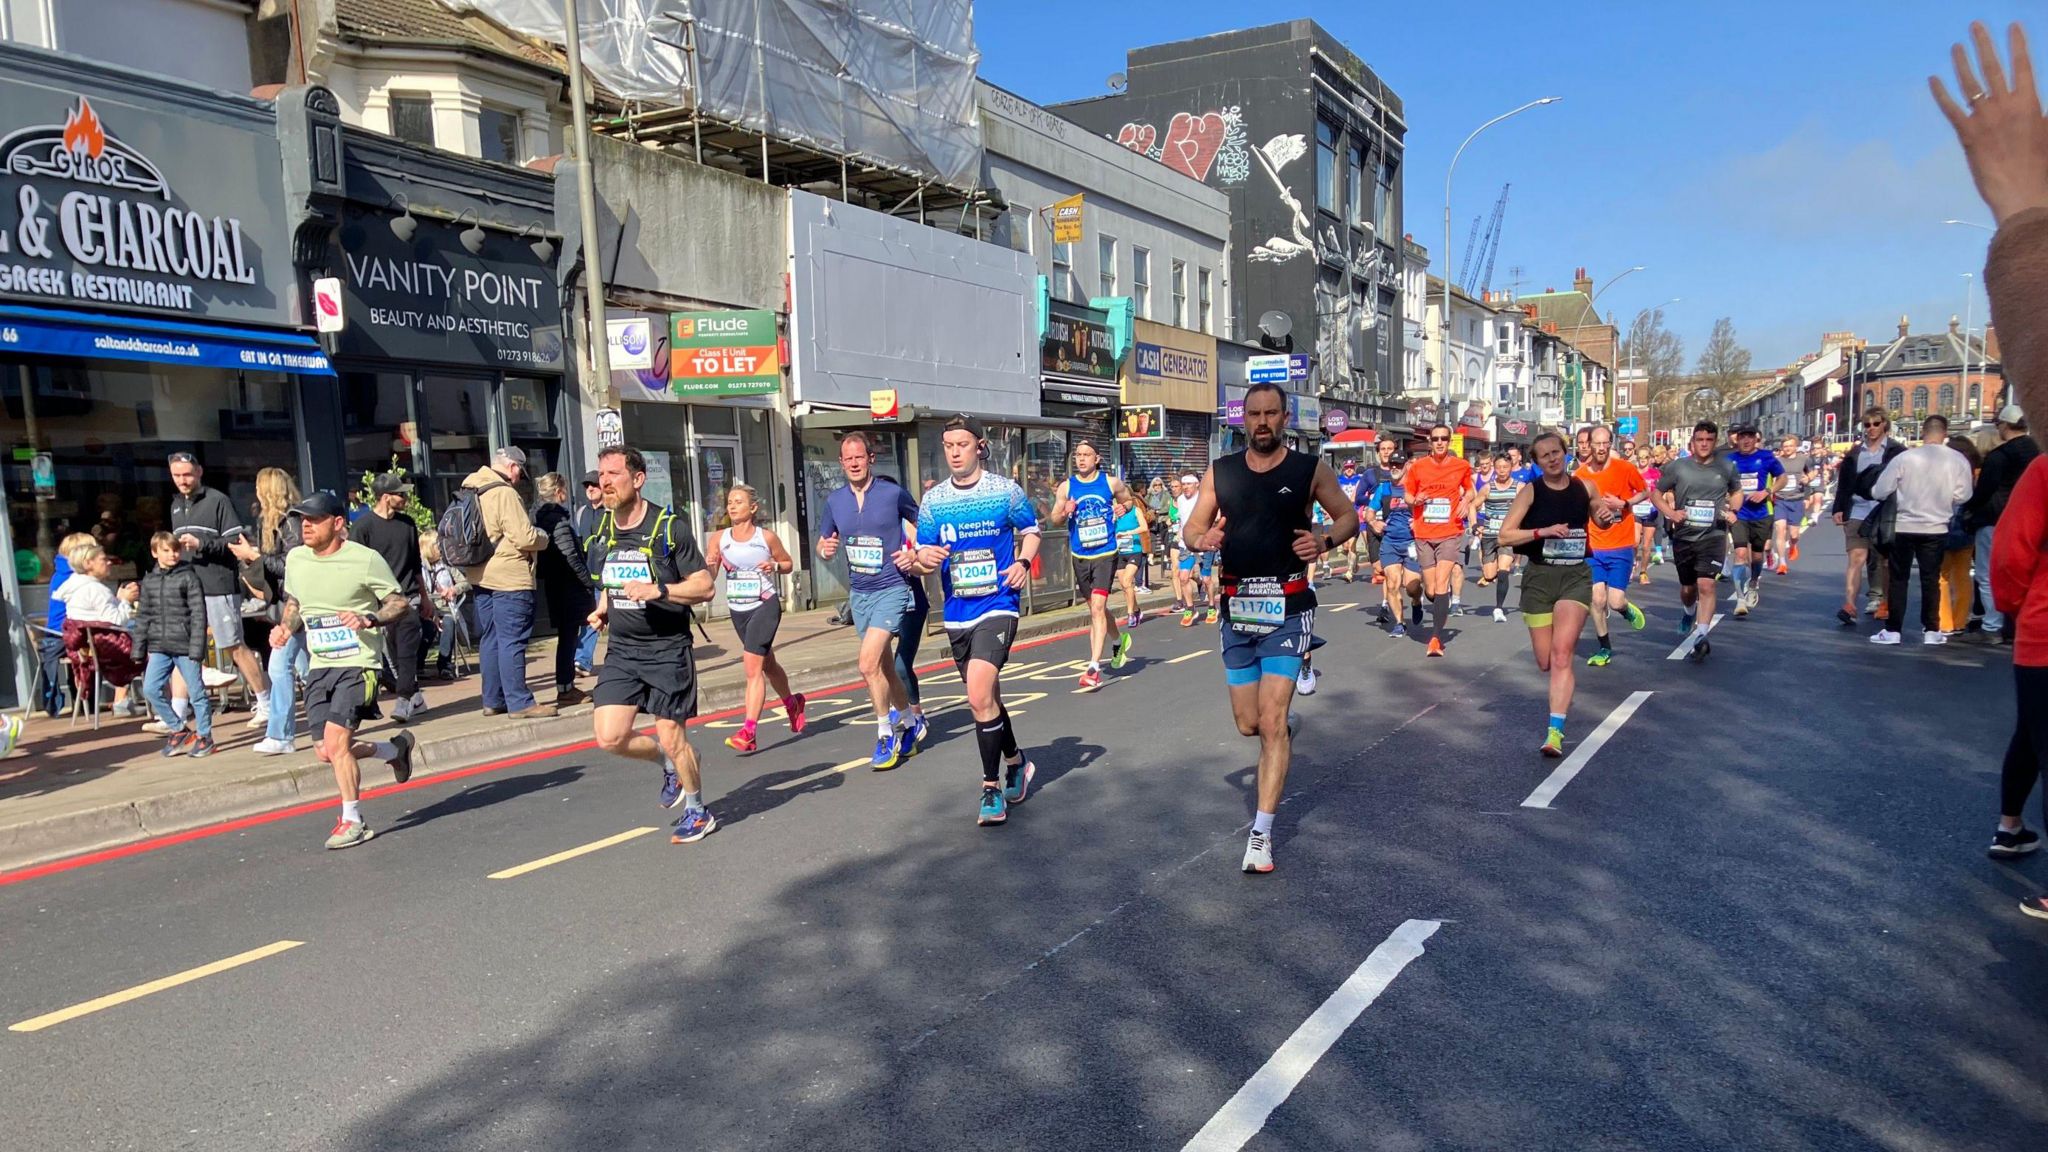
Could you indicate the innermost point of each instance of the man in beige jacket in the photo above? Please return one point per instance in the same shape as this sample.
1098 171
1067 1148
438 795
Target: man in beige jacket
503 586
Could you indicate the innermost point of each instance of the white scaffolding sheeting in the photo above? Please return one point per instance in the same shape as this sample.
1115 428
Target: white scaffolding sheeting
886 81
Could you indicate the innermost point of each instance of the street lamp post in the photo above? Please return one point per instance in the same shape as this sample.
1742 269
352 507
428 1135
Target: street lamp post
1443 352
1969 306
597 338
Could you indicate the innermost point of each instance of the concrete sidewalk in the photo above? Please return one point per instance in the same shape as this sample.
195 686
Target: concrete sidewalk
70 790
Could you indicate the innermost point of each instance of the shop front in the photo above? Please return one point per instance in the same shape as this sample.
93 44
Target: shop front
146 305
446 329
1169 404
1515 428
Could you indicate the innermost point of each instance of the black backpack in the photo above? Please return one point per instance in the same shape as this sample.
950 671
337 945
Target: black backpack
464 541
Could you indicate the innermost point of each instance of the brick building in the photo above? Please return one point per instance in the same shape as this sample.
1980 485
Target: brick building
1952 373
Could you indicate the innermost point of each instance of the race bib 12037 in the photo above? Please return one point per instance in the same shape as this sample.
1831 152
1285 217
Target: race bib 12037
1437 511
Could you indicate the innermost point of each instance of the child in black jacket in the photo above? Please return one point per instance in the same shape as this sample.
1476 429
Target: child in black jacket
170 628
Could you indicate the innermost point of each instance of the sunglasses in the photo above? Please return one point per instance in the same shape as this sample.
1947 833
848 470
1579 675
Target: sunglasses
1439 439
1866 424
183 458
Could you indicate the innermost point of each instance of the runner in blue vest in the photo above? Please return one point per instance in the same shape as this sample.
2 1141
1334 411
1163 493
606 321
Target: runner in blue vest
1085 504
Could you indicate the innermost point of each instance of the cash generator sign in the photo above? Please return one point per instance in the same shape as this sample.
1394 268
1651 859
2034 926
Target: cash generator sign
94 220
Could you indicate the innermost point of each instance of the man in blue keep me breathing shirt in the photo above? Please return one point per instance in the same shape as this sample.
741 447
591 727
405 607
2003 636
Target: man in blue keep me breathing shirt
980 533
889 606
1760 473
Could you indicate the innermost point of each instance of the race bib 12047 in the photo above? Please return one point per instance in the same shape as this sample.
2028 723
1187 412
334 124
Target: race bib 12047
973 571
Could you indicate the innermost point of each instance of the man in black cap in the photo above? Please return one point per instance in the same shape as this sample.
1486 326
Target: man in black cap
387 531
344 596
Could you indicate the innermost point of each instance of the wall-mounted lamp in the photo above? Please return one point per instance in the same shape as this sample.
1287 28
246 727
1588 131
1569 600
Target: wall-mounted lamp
542 247
472 236
404 226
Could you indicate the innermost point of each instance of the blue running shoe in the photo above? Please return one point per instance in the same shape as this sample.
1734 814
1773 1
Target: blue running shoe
914 736
1018 778
888 752
1685 624
1396 632
693 825
993 809
671 788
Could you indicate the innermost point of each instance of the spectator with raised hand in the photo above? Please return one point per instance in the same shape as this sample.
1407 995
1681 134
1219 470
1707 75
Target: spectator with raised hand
2005 139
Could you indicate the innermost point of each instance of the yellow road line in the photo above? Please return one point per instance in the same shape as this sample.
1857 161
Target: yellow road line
1342 607
571 854
154 986
1190 656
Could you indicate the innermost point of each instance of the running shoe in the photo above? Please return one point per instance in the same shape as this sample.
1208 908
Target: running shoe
1187 618
1685 623
671 787
693 825
1884 636
1457 608
1933 639
1091 679
1553 744
1436 646
1133 620
201 748
1258 854
1700 651
1793 554
269 747
401 765
348 834
1383 617
1396 632
1636 619
1847 615
2006 845
260 720
1212 615
913 737
741 741
1017 780
794 709
179 743
1741 607
1783 568
1500 616
1600 659
888 752
993 810
2035 906
1305 682
1123 651
1643 579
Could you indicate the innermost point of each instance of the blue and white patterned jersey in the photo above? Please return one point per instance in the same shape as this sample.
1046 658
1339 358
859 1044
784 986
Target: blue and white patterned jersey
980 523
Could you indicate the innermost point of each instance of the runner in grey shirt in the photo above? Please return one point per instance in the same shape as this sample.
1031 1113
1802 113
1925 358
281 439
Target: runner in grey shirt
1789 505
1698 493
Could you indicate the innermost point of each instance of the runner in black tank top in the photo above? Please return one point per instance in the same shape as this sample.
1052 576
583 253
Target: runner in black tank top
1547 523
1263 496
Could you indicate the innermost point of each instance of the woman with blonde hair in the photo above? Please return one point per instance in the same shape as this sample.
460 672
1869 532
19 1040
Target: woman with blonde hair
277 533
752 560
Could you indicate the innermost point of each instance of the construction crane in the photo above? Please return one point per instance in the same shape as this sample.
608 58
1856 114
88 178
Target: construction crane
1488 248
1471 251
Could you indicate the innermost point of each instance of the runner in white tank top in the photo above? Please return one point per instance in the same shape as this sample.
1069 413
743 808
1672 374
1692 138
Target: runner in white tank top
753 561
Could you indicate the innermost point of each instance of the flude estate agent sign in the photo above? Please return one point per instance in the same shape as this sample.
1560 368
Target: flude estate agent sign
429 298
113 199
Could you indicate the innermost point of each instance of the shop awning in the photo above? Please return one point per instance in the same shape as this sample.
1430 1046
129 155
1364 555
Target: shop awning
1352 436
108 336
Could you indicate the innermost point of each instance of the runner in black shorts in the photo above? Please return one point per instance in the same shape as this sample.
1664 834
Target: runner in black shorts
1263 495
649 571
1698 495
342 593
753 562
1086 503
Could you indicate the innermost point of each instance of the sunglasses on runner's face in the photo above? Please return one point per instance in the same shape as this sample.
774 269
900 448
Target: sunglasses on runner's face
1439 439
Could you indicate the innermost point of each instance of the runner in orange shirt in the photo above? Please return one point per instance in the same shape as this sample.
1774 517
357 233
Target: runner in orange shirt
1440 493
1612 550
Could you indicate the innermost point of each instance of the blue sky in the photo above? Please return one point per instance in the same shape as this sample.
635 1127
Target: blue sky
1778 163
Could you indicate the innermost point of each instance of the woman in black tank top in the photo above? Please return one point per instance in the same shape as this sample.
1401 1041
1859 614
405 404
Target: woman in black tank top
1570 506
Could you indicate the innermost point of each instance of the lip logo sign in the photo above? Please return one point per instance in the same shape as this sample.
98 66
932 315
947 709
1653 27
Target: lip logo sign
82 151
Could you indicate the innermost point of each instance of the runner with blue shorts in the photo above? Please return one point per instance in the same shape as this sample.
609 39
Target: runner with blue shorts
1400 568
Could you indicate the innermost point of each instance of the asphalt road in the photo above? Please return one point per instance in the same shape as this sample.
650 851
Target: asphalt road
1759 918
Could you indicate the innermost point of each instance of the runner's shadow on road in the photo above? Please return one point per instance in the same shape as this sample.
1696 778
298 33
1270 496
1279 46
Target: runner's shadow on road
760 795
484 795
1063 755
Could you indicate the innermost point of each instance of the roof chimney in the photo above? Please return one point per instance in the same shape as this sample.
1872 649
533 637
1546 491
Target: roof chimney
1903 326
1582 283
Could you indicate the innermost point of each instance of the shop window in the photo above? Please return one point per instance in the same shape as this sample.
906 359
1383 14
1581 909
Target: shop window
377 423
108 428
498 135
1043 465
1206 320
1180 293
1141 280
1064 286
456 412
1326 167
412 117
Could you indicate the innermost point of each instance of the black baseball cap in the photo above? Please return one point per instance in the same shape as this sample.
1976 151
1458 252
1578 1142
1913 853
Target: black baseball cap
974 425
390 483
321 506
1744 430
590 479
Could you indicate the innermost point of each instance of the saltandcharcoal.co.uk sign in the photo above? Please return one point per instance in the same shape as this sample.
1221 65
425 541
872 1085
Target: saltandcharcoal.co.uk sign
94 205
724 353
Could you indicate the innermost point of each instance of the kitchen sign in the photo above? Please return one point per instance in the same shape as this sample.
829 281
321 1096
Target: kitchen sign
1079 342
109 199
724 353
428 298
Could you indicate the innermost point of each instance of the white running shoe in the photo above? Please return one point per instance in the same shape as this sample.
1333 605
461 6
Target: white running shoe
1932 638
1499 617
401 710
269 747
1258 854
215 678
1305 682
259 720
158 728
419 701
1884 636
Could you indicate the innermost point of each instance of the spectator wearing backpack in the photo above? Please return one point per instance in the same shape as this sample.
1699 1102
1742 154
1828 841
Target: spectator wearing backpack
488 535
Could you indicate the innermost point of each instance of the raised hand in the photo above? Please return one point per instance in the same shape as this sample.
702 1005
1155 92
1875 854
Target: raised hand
1999 123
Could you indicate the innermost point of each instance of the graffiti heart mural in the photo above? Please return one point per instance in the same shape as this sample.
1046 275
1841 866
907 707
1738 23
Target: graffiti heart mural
1196 144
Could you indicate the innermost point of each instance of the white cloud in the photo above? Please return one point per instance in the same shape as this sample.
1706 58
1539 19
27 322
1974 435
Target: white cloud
1808 187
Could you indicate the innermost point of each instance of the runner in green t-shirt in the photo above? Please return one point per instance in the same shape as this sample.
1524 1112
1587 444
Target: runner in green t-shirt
342 594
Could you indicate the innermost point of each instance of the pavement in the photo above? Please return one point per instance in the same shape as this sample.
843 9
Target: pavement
1759 916
70 789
